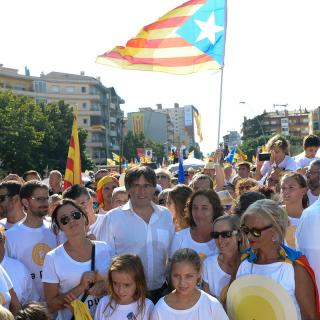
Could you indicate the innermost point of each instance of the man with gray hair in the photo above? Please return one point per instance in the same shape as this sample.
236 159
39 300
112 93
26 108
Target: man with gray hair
313 181
307 234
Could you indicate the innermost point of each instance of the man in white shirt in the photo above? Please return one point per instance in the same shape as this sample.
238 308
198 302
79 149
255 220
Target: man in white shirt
31 240
307 234
10 204
313 181
141 227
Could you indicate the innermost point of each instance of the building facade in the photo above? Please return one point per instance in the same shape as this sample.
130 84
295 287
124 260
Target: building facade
98 107
232 139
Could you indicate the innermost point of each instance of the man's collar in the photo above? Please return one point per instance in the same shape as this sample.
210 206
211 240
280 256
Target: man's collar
128 207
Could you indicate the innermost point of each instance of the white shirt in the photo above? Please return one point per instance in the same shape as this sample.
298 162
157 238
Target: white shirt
122 311
287 163
183 239
281 272
21 280
302 161
95 227
311 197
7 225
308 237
30 245
290 239
207 307
5 287
60 268
127 232
214 276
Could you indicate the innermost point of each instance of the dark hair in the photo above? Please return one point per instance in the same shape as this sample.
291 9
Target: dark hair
302 182
54 216
214 200
30 172
186 255
13 187
33 311
135 173
265 190
311 141
29 187
245 200
131 264
179 195
75 191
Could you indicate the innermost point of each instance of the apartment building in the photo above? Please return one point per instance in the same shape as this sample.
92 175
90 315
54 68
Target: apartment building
98 107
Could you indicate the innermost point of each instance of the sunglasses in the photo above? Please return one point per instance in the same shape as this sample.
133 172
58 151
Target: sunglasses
4 197
254 231
224 234
75 215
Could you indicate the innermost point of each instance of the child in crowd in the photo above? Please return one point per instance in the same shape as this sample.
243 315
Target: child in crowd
33 311
119 197
127 290
186 301
311 144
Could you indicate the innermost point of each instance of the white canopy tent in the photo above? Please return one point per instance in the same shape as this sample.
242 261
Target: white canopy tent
188 163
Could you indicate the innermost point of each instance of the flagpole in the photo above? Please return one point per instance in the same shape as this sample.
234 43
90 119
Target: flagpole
222 68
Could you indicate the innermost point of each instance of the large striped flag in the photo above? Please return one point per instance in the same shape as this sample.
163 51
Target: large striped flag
187 39
73 168
198 121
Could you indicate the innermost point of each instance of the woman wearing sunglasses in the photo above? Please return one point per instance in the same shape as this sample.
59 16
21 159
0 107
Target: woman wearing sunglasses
67 270
264 225
217 269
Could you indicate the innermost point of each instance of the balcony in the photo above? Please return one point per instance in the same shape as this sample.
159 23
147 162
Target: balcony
113 133
113 120
93 144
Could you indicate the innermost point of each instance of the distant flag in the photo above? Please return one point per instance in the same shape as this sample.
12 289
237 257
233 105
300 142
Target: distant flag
191 154
253 159
181 177
73 167
231 154
115 157
110 162
198 121
187 39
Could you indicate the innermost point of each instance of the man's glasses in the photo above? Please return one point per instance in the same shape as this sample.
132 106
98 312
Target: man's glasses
254 231
75 215
4 197
224 234
40 199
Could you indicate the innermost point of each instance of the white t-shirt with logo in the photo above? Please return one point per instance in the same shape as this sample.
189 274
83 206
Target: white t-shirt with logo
5 287
207 307
182 239
214 276
287 164
122 311
61 269
30 245
21 280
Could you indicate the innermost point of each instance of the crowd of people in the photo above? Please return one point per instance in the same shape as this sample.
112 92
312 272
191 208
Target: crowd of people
140 246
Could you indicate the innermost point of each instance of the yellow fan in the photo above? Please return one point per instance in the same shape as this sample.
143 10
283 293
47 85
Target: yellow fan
255 297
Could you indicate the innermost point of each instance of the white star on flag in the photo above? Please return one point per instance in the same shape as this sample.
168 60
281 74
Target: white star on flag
208 29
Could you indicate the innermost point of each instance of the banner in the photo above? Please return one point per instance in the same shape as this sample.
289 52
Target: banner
137 122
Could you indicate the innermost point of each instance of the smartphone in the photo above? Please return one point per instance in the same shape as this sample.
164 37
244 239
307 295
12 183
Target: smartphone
264 156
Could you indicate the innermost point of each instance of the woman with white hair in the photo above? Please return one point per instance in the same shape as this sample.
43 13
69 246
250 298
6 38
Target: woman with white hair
264 225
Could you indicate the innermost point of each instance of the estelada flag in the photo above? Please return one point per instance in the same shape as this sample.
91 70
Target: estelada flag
73 167
187 39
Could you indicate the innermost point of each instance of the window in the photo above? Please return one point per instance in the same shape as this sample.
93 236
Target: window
70 89
19 87
84 105
85 121
83 89
40 86
55 89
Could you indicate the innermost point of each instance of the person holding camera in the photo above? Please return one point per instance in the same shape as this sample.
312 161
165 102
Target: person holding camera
277 157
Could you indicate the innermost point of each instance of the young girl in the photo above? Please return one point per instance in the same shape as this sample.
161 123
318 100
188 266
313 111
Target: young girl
127 291
186 301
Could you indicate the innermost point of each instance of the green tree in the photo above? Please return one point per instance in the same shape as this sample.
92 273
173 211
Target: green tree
197 152
35 136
